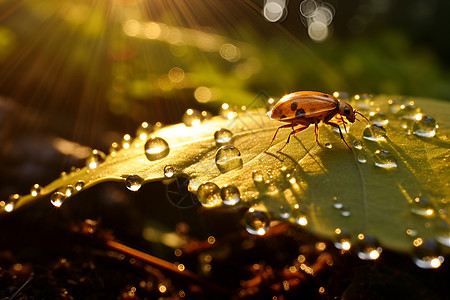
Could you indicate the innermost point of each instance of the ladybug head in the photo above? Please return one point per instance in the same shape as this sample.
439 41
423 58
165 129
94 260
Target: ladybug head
347 111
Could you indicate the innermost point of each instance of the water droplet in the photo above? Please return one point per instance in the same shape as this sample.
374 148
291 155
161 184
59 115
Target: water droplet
35 190
227 111
374 133
192 117
230 195
362 158
285 211
409 111
443 233
338 205
169 171
367 247
426 254
258 176
126 141
384 159
345 212
379 119
256 221
114 148
223 136
406 126
425 127
133 182
143 131
209 194
328 145
395 105
79 185
68 190
363 101
228 158
422 206
57 199
411 231
95 159
357 144
156 148
343 241
300 216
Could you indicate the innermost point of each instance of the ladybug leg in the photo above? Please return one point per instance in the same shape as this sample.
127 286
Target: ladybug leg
340 132
290 134
276 132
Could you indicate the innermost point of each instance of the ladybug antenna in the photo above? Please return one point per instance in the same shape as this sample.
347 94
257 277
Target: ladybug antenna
357 112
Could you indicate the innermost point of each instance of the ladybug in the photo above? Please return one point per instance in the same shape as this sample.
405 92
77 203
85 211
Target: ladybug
306 107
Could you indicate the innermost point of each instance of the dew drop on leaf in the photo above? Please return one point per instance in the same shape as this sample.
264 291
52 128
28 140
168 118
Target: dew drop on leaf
425 127
230 195
328 145
68 190
426 254
443 233
363 101
374 133
228 158
256 221
367 247
409 112
35 190
285 211
384 159
133 182
192 117
79 185
169 171
95 159
357 144
114 148
362 158
379 119
422 206
227 111
257 176
156 148
209 194
223 136
57 199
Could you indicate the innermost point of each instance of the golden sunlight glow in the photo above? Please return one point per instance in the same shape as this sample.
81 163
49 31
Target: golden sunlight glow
346 245
203 94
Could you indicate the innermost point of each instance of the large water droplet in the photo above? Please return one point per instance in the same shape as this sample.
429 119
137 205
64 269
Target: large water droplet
426 254
95 159
35 190
228 158
422 206
230 195
156 148
223 136
425 127
379 119
79 185
384 159
57 199
133 182
357 144
374 133
209 194
256 221
169 171
368 248
192 117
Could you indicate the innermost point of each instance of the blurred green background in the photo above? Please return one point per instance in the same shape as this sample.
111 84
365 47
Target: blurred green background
81 68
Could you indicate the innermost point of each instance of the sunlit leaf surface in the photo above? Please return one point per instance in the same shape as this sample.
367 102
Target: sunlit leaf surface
391 190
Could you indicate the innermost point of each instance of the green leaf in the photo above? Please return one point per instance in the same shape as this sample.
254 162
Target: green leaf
366 196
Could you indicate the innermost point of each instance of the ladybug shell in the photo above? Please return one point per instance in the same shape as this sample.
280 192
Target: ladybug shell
303 105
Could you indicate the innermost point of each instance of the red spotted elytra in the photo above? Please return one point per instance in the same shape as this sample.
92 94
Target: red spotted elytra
305 107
